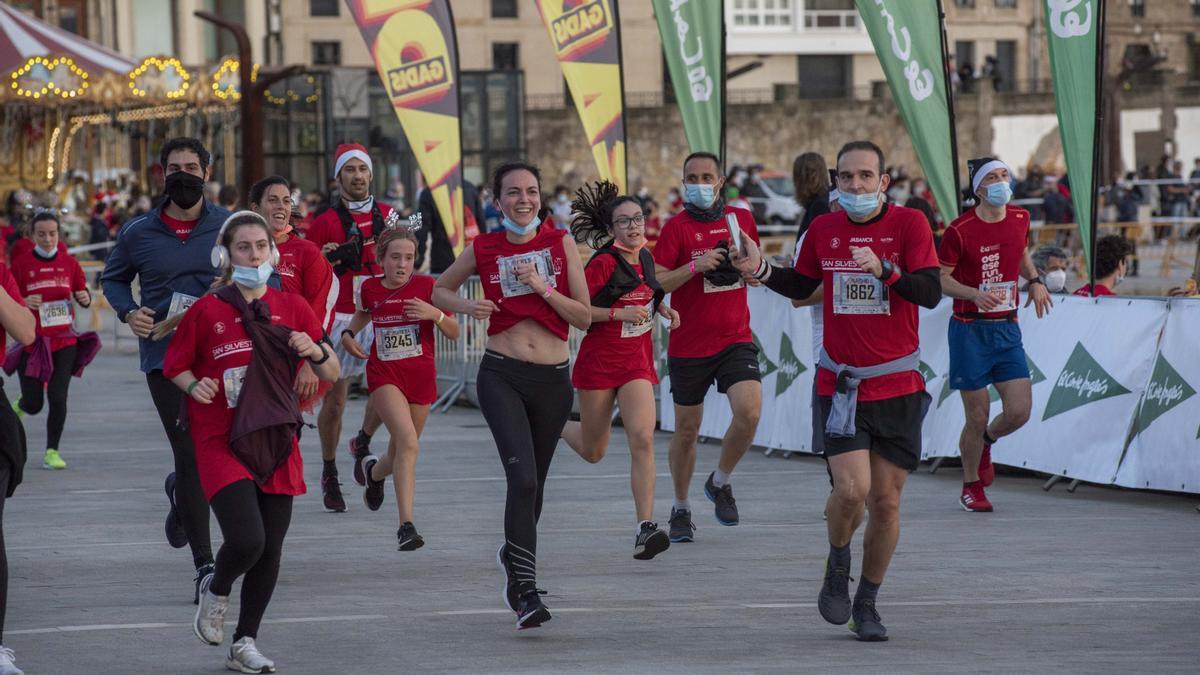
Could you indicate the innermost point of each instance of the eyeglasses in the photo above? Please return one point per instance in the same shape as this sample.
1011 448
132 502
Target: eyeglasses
625 223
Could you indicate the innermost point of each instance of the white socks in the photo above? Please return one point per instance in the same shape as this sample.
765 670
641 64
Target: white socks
720 478
638 528
682 505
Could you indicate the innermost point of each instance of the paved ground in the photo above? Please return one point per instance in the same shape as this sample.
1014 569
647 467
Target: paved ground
1097 581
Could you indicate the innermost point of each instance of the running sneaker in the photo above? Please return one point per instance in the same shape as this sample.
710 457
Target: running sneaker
201 572
53 461
681 525
407 538
176 536
209 625
834 599
244 657
866 623
974 499
650 542
331 489
987 470
531 613
16 406
373 495
726 507
510 582
359 451
7 667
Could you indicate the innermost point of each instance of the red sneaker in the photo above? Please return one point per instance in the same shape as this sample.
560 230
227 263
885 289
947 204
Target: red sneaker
973 498
987 471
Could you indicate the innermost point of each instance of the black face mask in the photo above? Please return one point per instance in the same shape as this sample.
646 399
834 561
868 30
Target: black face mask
184 189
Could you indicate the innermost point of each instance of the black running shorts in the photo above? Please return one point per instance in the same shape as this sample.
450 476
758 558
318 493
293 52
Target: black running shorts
691 378
890 428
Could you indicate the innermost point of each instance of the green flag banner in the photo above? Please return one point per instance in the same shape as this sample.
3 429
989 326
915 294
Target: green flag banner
907 39
693 39
1074 30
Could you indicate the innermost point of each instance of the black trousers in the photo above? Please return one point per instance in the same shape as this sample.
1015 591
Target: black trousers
32 398
189 498
12 449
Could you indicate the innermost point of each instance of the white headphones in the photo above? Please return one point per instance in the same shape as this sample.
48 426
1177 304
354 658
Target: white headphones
220 253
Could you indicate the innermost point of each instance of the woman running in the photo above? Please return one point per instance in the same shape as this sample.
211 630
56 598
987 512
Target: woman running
213 357
616 358
51 281
401 373
534 291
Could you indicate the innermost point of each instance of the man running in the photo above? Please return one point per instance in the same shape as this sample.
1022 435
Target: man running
169 250
346 235
983 255
876 263
713 342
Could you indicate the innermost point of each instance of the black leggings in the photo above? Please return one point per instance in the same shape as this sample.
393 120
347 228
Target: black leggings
254 525
526 406
56 392
12 444
189 498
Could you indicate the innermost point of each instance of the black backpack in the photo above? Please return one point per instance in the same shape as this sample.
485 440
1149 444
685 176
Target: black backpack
625 279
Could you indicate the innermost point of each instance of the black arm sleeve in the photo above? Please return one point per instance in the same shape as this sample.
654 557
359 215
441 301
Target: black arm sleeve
922 287
790 283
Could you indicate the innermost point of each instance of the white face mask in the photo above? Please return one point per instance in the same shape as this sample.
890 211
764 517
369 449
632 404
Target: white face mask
1056 281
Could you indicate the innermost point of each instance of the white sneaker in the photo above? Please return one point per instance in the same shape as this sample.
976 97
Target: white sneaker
7 667
209 625
244 657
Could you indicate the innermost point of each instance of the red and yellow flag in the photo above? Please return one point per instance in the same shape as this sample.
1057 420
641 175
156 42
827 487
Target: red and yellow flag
586 35
415 52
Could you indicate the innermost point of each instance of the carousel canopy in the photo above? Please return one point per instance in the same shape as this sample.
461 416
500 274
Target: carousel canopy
23 37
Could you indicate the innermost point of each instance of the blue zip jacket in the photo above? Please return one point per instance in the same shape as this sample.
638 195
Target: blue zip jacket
147 248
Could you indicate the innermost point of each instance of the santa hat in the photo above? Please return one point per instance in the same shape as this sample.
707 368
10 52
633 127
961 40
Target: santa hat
980 168
348 151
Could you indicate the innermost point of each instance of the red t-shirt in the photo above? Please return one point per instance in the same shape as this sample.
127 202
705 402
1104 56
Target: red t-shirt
1086 290
24 245
14 291
615 352
304 271
181 228
496 259
327 228
711 318
55 280
862 329
211 342
987 256
402 354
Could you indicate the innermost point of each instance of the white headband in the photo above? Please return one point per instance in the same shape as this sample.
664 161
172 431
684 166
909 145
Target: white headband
984 170
349 155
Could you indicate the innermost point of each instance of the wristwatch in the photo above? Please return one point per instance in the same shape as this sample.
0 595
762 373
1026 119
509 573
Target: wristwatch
132 311
885 269
1037 280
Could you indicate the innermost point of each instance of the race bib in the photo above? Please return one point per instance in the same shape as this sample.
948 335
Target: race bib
233 379
510 286
631 329
398 342
56 313
710 287
859 293
1005 289
180 302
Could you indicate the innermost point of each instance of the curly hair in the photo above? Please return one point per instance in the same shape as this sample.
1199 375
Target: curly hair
810 177
593 208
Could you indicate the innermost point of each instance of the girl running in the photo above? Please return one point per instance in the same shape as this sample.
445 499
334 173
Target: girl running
616 358
51 282
401 373
534 291
212 356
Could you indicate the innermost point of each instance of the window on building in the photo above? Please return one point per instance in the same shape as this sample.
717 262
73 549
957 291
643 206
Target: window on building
830 14
504 9
1006 65
964 4
762 13
327 53
1006 4
1195 7
1137 8
964 54
825 75
72 16
324 7
505 56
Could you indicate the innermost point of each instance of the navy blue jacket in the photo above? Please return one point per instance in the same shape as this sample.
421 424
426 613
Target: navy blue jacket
147 248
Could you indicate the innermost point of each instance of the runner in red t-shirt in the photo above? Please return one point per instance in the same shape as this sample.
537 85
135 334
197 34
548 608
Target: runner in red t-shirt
983 257
208 359
1111 259
401 369
51 282
876 263
302 270
346 235
533 293
713 342
615 362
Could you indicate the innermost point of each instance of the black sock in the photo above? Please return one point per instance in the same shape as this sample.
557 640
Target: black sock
988 440
330 468
363 438
866 591
839 556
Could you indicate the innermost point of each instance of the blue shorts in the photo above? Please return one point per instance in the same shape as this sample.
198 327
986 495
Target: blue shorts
985 352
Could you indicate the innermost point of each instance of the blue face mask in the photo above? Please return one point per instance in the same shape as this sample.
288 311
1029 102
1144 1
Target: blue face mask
858 206
517 229
700 195
252 277
998 194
